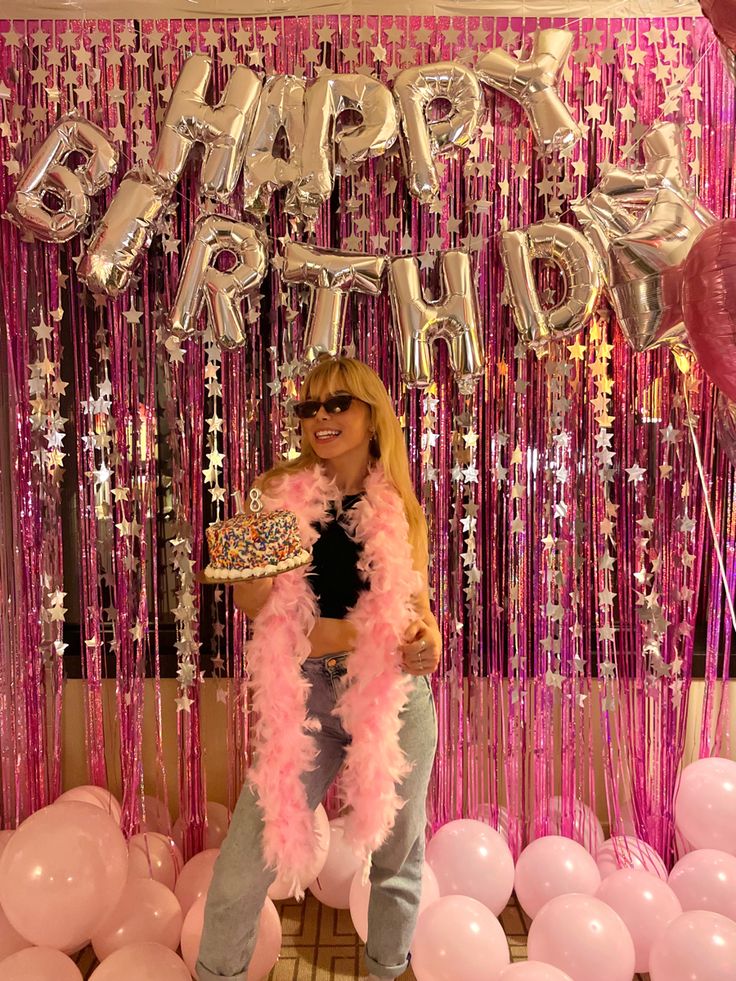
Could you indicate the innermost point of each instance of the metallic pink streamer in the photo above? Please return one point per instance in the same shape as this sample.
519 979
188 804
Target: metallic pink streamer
499 740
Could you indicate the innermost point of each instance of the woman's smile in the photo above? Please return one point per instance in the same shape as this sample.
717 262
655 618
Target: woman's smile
326 435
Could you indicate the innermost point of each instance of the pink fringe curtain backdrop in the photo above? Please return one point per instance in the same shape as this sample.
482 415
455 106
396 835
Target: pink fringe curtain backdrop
571 552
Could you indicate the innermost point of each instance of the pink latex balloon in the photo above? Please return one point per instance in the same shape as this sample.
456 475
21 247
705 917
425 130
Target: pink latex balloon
39 964
458 939
501 825
191 934
470 858
709 312
63 870
142 962
706 879
722 15
705 806
265 953
332 885
157 817
99 796
194 879
360 896
77 948
5 837
586 828
682 846
645 904
108 801
552 866
626 852
532 971
697 946
10 940
146 912
218 821
154 856
279 889
583 937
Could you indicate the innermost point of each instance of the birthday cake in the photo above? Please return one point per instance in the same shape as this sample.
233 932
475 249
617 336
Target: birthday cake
254 545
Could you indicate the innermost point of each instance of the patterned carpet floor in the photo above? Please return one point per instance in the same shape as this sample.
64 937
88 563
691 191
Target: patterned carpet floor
320 944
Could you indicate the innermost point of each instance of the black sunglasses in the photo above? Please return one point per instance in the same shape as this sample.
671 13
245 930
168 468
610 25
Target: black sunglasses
335 404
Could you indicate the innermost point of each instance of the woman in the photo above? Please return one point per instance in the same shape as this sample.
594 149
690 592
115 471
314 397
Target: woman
338 666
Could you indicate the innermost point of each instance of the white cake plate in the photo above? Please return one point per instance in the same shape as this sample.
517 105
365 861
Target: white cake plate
224 577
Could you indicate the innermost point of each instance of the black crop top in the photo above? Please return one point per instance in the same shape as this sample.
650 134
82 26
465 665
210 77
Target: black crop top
334 575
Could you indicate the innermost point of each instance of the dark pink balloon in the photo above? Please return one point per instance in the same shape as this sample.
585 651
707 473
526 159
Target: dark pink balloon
722 15
709 303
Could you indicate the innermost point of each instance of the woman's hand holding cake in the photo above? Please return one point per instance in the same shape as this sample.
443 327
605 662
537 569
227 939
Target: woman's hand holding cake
251 595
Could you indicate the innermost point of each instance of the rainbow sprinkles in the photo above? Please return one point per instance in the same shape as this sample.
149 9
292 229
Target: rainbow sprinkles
254 545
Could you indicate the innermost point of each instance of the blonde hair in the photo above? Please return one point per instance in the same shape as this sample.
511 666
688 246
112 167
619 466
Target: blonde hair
355 377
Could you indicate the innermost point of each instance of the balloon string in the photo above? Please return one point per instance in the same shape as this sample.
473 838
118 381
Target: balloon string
711 522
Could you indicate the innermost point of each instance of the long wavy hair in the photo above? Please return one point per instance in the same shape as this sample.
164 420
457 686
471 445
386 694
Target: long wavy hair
388 445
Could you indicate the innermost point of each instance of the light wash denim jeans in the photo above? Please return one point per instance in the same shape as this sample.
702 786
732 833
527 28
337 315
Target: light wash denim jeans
240 881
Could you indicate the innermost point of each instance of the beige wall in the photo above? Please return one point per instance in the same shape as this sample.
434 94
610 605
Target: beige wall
214 738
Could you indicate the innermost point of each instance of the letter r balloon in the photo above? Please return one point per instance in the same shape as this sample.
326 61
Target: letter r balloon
222 290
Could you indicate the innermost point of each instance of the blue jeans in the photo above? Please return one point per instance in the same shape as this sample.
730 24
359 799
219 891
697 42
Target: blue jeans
240 881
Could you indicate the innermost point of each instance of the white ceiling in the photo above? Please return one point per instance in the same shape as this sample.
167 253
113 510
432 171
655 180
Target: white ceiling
32 9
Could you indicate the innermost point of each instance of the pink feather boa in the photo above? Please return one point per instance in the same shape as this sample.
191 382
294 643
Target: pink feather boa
377 688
